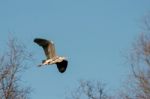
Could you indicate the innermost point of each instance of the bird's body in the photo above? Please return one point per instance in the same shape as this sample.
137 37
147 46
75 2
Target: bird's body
52 58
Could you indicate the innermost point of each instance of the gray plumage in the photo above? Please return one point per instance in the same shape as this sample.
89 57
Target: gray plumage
52 58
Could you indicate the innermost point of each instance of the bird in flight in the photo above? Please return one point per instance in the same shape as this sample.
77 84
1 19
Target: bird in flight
52 58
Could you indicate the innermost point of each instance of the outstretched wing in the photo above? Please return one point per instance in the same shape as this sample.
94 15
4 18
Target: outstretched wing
62 66
48 47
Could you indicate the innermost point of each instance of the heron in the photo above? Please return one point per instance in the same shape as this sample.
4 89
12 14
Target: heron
49 50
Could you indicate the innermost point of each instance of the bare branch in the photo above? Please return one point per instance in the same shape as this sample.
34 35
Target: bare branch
138 86
90 90
11 64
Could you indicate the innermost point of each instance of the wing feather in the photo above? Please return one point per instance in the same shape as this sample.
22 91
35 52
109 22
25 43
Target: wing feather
62 66
48 47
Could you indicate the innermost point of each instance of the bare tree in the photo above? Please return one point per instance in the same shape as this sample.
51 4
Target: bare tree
12 63
90 90
138 84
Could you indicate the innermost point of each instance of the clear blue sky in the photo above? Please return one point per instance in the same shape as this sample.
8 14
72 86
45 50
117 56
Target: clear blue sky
93 34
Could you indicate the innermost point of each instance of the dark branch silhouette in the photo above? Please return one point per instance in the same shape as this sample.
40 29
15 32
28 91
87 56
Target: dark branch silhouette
12 63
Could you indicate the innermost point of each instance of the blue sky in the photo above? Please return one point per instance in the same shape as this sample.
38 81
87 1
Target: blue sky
94 35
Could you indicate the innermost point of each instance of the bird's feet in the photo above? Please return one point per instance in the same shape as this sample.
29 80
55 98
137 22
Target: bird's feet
39 65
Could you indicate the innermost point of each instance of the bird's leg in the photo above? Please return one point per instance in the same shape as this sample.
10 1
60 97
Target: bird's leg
40 65
46 62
